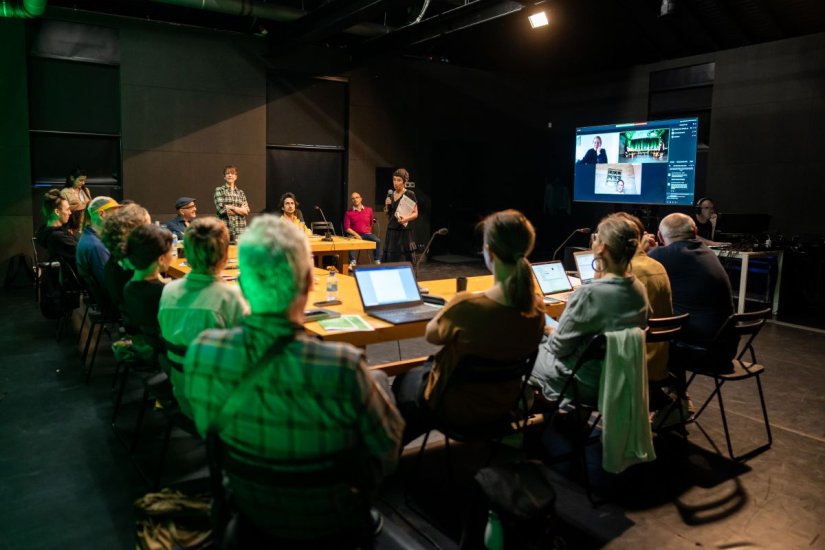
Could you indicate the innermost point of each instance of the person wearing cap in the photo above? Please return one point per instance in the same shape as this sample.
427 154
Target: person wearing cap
187 211
91 255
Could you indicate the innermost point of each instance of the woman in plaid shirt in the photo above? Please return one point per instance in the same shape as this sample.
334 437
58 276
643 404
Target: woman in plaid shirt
230 203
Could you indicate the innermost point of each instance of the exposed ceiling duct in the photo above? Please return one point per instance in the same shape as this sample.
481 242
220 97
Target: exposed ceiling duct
272 12
22 8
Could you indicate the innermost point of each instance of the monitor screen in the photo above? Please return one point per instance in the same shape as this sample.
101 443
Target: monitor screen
386 284
638 162
584 266
551 277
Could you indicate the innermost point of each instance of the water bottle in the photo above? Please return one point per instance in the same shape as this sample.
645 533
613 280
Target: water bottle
494 532
332 285
174 245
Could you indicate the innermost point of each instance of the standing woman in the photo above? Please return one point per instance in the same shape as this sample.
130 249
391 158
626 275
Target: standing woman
230 203
78 195
399 244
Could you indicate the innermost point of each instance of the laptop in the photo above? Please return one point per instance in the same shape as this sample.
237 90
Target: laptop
389 292
584 265
553 281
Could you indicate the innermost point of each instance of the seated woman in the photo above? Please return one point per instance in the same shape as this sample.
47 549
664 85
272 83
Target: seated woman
503 323
55 236
116 273
202 299
149 252
615 300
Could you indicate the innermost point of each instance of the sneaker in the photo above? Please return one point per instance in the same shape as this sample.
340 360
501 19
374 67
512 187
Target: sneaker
669 416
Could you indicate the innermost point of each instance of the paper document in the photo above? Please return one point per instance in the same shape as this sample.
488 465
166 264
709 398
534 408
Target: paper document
346 323
405 207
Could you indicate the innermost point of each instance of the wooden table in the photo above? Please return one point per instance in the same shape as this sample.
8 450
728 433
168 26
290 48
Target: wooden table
351 305
339 247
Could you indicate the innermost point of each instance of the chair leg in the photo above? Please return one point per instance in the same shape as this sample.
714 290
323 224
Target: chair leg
120 390
724 418
89 337
83 321
764 410
94 353
139 422
164 449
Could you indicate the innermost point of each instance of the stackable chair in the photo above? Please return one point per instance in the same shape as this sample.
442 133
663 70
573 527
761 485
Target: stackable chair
668 329
282 484
39 267
746 326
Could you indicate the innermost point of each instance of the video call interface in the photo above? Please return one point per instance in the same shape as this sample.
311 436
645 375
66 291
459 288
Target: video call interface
638 162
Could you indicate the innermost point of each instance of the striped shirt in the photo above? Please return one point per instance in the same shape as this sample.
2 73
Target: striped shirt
310 400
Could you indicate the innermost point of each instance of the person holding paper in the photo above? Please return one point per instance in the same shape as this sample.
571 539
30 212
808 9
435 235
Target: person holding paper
399 245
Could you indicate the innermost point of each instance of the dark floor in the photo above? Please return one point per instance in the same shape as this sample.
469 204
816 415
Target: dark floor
67 482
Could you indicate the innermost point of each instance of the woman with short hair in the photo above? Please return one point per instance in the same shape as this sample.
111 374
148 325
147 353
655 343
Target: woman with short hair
399 243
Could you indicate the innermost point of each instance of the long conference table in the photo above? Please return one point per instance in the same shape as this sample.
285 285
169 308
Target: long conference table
351 304
340 247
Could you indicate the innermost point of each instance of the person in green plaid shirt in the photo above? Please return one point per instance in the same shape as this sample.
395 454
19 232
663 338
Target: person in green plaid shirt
306 399
230 203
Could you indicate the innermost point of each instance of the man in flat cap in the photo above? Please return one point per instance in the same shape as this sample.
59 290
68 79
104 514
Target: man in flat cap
187 211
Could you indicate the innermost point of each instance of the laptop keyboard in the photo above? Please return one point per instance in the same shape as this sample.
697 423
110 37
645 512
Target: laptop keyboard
407 315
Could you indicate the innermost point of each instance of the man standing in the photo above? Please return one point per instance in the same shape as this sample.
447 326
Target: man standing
700 287
358 224
91 255
272 392
187 211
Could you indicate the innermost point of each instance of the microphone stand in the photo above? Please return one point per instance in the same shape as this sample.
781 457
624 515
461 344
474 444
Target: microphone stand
584 230
442 231
327 236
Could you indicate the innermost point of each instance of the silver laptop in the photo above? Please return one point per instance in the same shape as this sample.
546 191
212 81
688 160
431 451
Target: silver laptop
584 265
389 292
553 281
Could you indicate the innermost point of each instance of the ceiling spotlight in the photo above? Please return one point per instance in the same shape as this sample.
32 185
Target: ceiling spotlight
667 7
538 20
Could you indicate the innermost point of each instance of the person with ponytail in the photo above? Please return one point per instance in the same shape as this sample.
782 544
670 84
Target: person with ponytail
615 300
55 236
503 323
78 195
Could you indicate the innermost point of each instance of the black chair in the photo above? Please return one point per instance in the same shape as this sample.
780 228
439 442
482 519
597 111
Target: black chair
514 419
278 486
745 325
321 228
667 330
99 317
39 268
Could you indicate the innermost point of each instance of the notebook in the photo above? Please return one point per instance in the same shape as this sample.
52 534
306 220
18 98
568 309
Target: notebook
584 265
389 292
553 281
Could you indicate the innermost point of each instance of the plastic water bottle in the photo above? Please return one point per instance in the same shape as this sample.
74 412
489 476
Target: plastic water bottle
494 533
332 285
174 245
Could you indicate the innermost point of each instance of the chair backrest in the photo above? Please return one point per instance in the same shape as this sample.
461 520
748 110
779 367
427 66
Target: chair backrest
281 484
322 227
595 351
479 370
665 329
746 324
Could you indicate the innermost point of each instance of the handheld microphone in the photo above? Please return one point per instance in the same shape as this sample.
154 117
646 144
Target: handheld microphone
583 230
442 231
327 236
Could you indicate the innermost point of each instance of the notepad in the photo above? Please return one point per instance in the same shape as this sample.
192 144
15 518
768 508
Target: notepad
346 323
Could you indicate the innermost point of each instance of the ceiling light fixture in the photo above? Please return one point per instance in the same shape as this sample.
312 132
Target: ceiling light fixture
538 20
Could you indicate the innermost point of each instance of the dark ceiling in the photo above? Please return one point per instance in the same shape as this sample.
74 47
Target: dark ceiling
583 36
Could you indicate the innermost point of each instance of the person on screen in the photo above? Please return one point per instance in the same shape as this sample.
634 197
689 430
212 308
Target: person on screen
230 203
596 155
503 323
399 245
620 187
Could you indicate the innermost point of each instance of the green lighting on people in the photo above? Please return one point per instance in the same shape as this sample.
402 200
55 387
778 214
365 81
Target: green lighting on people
22 8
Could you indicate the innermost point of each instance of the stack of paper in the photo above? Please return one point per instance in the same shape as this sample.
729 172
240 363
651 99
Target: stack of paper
346 323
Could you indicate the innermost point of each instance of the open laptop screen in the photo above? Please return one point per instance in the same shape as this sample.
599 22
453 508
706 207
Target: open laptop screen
386 284
551 277
584 265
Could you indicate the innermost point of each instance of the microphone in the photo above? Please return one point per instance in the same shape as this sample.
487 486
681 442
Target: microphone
327 236
583 230
442 231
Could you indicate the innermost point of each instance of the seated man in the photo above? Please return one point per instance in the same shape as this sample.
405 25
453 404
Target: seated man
270 391
700 287
290 211
358 224
201 299
706 219
91 255
187 211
